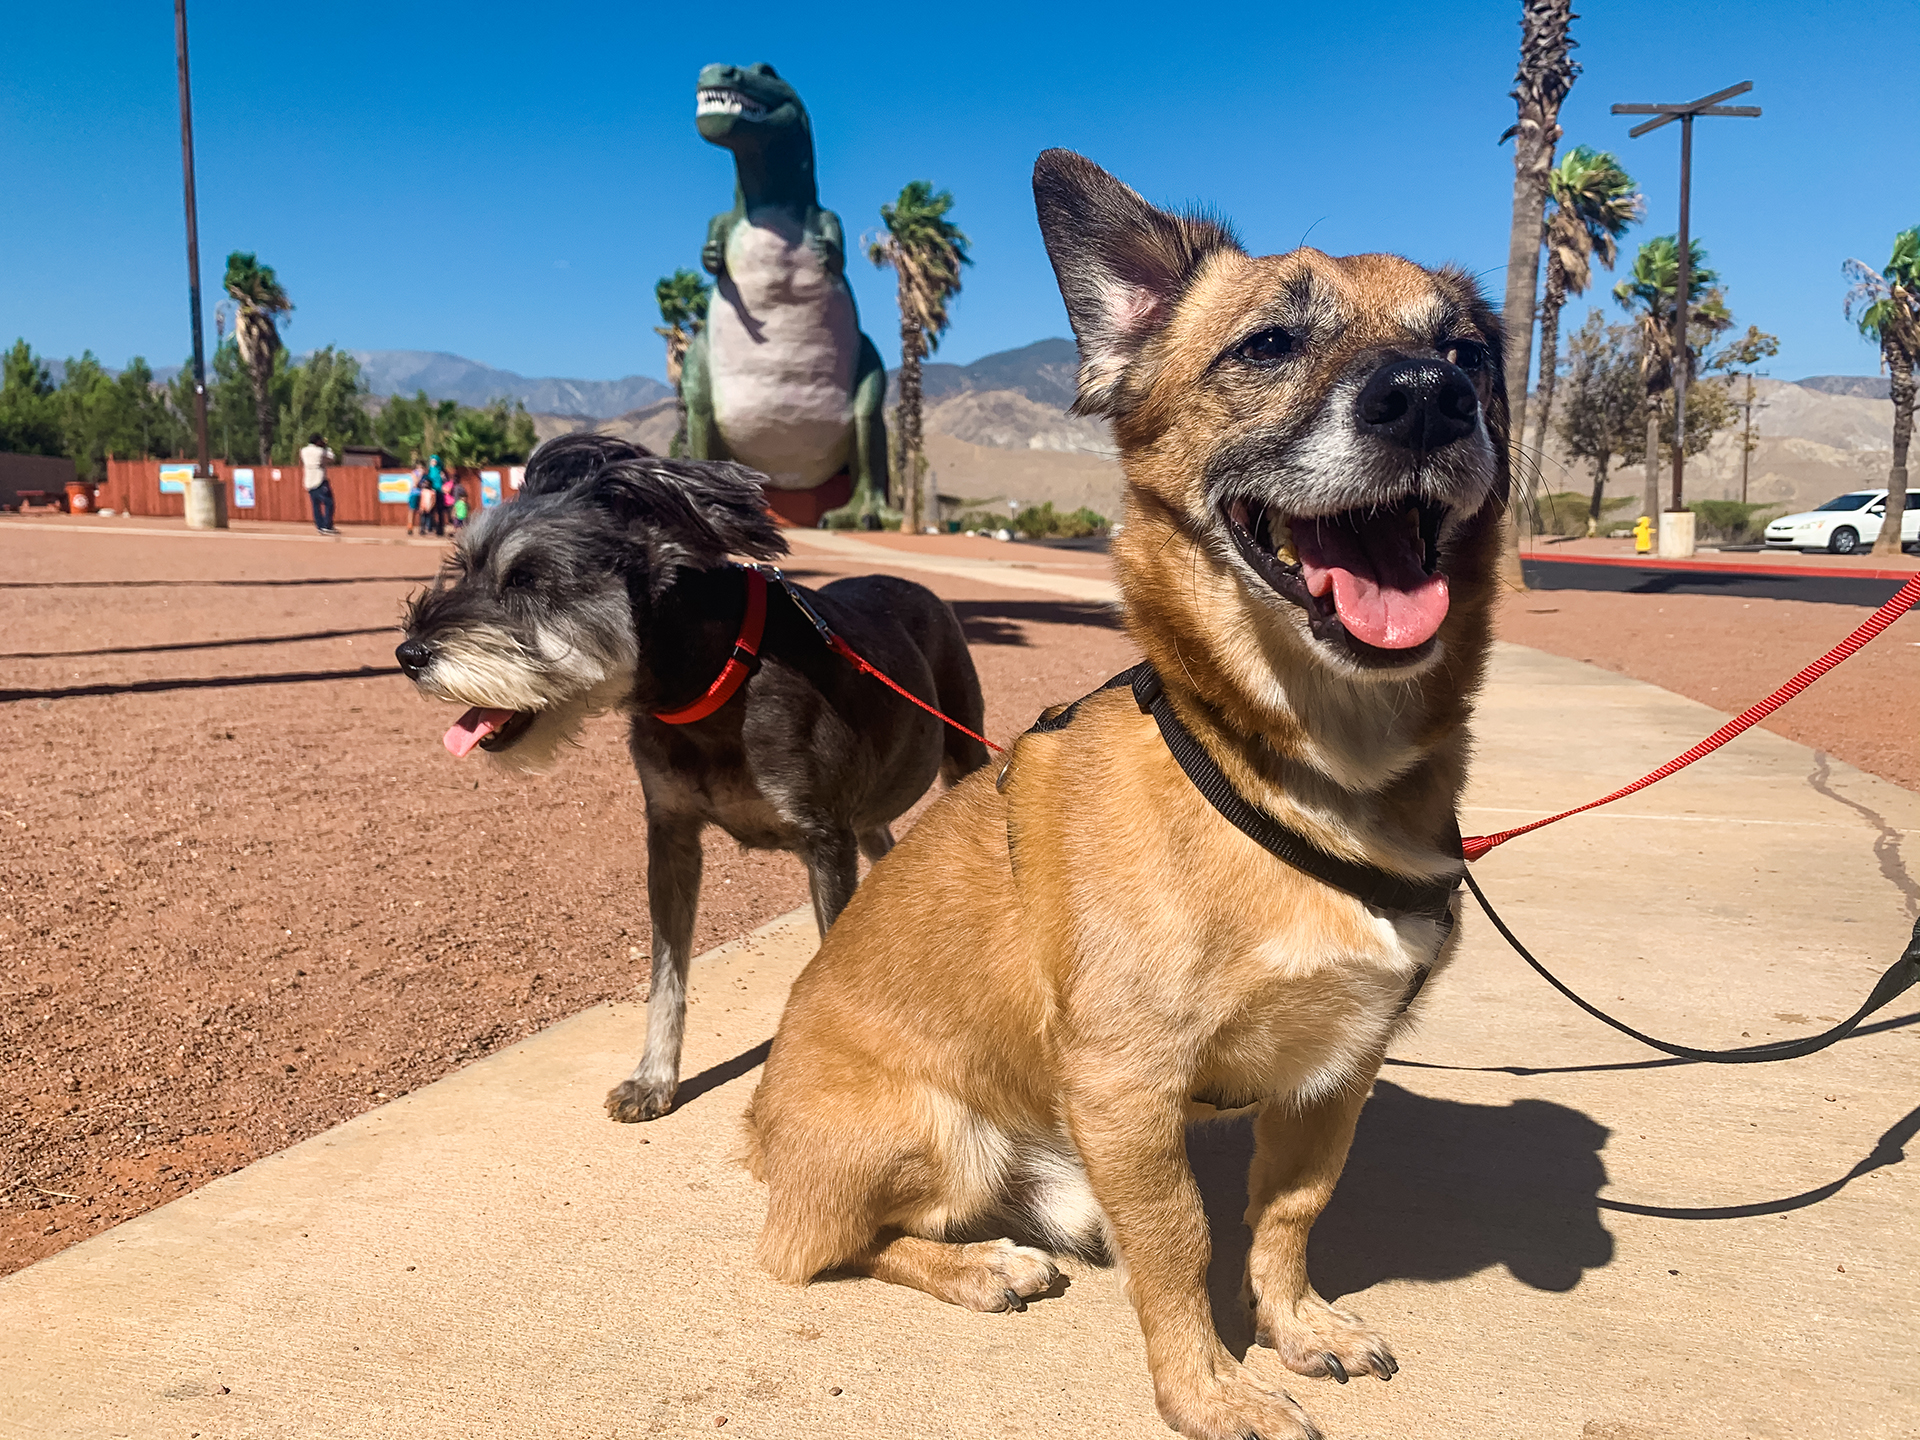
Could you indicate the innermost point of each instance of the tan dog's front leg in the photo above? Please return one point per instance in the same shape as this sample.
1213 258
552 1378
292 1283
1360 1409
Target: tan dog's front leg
1133 1145
1297 1159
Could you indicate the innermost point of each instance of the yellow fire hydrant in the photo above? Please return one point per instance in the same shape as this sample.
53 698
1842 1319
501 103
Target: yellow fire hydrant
1643 535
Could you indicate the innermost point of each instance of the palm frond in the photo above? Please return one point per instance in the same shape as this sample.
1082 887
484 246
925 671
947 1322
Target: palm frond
254 285
925 250
683 298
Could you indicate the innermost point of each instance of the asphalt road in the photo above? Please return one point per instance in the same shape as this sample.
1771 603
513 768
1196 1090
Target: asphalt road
1821 587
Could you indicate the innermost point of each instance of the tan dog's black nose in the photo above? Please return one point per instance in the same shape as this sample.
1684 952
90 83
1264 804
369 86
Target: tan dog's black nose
413 655
1419 404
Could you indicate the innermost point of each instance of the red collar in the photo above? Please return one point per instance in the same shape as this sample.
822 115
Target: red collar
740 664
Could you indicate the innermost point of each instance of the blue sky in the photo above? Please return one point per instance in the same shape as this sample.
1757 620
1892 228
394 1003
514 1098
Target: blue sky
507 182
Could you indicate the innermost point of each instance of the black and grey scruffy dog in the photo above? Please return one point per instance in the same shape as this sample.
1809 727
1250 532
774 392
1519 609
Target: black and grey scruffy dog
606 586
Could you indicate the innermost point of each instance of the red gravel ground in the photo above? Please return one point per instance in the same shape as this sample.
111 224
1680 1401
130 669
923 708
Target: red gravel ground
234 914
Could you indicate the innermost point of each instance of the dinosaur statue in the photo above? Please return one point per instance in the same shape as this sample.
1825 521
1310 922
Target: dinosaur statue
781 377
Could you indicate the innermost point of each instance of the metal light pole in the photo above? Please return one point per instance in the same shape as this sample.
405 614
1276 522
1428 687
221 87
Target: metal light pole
206 497
1683 280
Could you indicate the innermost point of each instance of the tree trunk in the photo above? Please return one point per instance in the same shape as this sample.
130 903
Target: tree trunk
1900 371
1545 75
1550 305
1599 492
262 369
1650 493
677 341
912 349
1533 157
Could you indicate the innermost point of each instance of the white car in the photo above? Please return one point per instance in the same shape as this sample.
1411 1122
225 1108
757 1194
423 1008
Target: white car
1845 524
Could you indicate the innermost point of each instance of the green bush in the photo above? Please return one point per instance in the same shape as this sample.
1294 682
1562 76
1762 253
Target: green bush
1565 512
1043 522
1733 520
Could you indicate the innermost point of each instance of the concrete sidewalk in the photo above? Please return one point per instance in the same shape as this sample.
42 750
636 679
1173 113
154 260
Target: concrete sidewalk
1562 1235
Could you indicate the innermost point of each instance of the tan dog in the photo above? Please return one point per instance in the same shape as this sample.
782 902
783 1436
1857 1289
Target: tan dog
1030 998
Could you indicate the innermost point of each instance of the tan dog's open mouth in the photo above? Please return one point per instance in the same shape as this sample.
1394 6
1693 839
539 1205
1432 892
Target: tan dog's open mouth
1369 578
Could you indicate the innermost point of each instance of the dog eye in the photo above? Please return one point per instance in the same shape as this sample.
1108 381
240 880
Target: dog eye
1469 355
518 578
1268 347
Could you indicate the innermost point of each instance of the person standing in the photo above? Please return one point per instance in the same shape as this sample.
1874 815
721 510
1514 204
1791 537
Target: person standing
413 496
315 457
433 512
449 496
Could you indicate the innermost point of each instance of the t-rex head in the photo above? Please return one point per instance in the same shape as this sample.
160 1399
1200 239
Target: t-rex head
751 108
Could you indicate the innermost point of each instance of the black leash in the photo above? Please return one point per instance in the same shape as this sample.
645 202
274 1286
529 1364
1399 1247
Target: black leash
1900 976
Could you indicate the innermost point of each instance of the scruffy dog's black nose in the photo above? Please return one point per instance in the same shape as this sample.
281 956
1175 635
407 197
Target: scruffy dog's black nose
1421 404
413 655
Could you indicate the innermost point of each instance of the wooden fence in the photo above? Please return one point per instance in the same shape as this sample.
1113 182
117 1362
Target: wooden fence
362 494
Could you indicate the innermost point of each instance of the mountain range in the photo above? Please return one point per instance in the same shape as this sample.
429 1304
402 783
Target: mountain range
454 377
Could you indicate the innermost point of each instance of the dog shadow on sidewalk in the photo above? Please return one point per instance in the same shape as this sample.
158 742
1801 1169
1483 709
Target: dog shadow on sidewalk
1433 1190
1004 622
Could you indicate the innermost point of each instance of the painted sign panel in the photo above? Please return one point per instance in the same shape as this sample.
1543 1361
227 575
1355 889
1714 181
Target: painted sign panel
173 479
395 486
517 476
489 488
243 489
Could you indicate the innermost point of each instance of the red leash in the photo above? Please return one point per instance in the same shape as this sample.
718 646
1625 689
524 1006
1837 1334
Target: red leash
846 652
1474 846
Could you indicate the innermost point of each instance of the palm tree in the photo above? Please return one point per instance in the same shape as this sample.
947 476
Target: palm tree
255 330
1647 294
1593 204
683 298
1886 306
926 251
1546 74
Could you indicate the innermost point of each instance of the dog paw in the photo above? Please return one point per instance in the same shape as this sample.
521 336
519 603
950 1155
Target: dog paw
1316 1339
998 1275
1232 1404
633 1100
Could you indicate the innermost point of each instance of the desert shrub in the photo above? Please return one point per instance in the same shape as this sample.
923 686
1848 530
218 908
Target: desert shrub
1043 522
1737 521
983 520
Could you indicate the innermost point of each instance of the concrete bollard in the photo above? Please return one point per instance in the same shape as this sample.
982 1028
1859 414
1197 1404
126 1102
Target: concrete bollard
206 503
1676 535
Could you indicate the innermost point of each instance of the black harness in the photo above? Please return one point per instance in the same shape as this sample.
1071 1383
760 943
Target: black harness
1381 889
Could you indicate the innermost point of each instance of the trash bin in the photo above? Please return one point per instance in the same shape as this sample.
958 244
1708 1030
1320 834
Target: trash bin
80 496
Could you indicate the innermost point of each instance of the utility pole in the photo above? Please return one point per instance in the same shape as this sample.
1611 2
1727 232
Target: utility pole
1683 280
206 497
1748 405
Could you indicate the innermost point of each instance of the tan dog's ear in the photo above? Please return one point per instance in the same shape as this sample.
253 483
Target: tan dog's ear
1121 263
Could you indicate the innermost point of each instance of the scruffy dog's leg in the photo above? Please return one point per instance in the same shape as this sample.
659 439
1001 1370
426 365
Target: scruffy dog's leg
673 895
833 870
1297 1160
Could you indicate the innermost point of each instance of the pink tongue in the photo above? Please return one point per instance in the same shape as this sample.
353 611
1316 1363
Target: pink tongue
1381 592
473 727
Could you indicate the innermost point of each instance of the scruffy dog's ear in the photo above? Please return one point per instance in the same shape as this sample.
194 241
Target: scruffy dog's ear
1122 265
693 513
566 460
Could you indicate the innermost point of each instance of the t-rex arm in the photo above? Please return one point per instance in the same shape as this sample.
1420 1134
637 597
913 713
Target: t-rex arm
823 233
